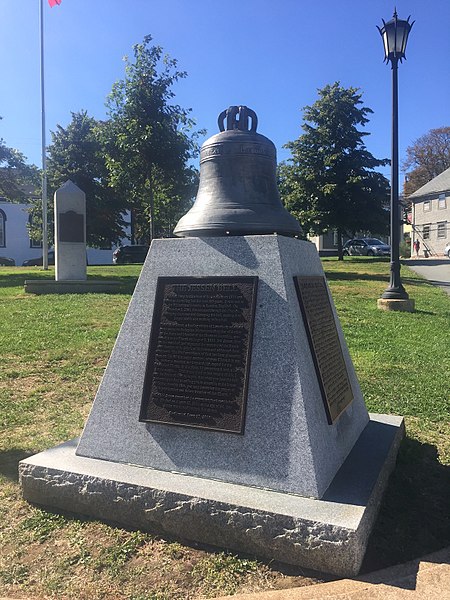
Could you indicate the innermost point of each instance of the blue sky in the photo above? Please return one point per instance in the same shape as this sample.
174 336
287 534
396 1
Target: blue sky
271 55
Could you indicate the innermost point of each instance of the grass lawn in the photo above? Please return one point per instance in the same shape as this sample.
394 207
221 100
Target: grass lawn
54 350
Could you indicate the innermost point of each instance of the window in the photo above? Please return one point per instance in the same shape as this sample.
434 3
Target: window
427 206
441 201
426 232
2 229
442 229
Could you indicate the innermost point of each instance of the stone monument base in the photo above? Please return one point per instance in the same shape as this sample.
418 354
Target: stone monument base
406 305
70 286
328 535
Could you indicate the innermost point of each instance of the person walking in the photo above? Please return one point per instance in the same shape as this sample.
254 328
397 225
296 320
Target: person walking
417 247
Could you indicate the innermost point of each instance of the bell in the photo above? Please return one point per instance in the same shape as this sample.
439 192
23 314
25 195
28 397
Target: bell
238 193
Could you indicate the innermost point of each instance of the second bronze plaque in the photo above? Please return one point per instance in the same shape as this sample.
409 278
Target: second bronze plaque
325 344
199 354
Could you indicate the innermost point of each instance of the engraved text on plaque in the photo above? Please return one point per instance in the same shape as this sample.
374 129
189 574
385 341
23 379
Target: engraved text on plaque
199 354
325 344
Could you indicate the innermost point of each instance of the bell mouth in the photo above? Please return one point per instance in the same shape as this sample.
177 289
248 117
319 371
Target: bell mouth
205 233
236 220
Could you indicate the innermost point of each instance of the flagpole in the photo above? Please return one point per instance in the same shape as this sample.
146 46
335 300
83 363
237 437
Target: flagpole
44 156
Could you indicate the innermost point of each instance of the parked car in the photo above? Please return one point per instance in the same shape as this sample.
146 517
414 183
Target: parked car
366 247
129 254
447 250
37 262
7 262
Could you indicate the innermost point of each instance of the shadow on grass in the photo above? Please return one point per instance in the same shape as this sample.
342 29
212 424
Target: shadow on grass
18 279
357 259
430 282
9 462
351 276
127 282
414 519
419 282
10 280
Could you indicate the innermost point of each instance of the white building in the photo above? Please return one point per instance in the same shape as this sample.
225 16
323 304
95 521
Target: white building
15 241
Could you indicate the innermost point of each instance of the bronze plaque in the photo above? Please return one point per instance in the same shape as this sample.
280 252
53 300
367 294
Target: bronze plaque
199 354
325 344
71 227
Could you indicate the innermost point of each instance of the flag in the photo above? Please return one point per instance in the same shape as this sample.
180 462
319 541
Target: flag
54 2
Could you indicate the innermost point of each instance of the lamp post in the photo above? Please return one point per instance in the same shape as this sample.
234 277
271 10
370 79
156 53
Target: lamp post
395 36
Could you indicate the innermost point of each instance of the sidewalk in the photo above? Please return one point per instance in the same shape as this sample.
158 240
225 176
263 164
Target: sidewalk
427 578
435 270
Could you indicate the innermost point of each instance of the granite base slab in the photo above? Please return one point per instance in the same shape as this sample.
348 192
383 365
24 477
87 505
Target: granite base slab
328 535
70 286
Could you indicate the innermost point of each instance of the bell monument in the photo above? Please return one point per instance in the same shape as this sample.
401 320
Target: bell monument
230 412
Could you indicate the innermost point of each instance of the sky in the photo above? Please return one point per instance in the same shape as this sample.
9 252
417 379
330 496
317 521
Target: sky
270 55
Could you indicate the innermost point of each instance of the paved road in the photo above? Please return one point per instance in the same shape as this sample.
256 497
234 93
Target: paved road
436 270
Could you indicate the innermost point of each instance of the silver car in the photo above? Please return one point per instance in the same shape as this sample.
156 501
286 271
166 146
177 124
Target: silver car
366 247
447 250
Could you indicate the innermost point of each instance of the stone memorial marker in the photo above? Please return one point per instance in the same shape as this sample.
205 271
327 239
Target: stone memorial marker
230 412
70 233
70 249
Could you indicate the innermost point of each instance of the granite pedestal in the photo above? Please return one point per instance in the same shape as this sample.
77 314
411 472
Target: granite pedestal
293 486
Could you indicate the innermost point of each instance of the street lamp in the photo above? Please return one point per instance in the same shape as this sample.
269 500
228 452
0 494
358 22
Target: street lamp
395 36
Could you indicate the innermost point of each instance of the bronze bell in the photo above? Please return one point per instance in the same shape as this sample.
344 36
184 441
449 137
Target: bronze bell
238 193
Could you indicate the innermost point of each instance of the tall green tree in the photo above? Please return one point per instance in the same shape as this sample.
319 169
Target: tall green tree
17 178
427 157
149 140
76 153
330 181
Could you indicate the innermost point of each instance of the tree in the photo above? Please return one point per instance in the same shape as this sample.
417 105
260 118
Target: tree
76 153
428 156
330 182
17 178
149 141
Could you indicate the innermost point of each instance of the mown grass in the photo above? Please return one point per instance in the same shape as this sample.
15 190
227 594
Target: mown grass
54 350
402 362
401 358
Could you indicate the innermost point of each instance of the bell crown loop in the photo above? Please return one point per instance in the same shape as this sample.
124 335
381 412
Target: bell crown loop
237 137
244 113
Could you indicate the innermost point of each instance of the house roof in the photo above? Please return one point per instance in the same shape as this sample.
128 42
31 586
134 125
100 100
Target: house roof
440 183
